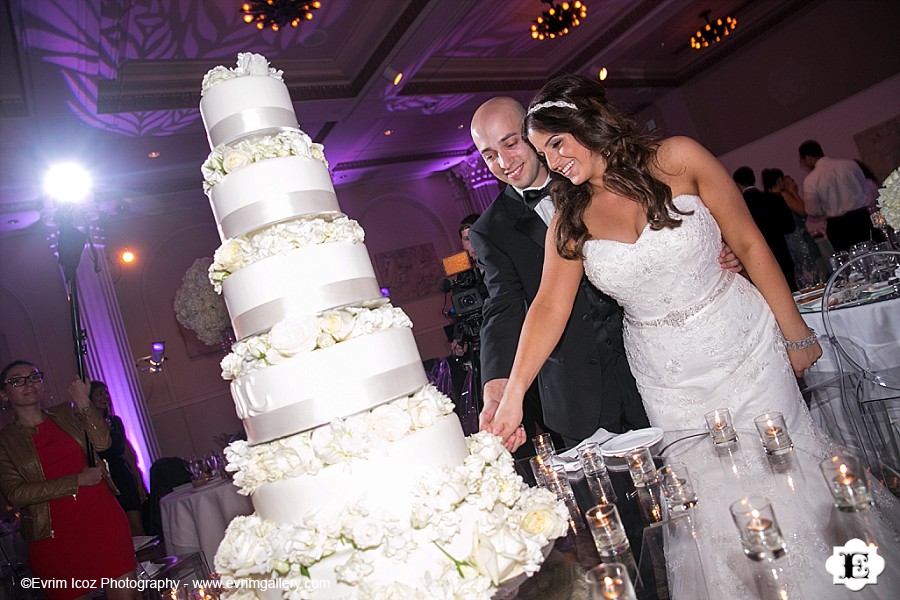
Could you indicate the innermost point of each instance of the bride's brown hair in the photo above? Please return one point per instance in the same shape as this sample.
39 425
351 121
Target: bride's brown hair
603 129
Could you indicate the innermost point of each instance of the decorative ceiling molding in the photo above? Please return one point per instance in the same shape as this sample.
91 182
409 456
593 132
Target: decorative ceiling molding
393 160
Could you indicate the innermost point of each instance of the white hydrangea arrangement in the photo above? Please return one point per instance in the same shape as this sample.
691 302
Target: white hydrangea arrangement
198 307
248 63
225 159
889 199
358 435
507 541
301 334
281 238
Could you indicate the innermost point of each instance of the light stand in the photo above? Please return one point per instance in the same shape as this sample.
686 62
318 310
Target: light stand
70 245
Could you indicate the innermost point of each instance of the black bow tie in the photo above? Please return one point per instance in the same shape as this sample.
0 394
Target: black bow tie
532 197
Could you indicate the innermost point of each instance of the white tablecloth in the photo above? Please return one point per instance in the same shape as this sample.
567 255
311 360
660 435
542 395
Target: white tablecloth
195 519
871 333
802 503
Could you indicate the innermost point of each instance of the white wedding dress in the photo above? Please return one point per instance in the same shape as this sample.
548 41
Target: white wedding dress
699 338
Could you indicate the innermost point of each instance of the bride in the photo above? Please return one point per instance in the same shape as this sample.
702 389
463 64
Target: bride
644 221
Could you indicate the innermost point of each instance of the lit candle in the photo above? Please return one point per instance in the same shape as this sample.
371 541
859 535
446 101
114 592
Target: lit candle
612 588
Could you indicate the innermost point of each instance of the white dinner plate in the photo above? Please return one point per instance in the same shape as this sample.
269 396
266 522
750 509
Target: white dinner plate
621 445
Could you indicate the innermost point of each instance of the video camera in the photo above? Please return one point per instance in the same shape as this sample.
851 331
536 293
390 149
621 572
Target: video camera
468 293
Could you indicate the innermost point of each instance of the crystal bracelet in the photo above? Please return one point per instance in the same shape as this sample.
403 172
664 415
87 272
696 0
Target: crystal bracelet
804 343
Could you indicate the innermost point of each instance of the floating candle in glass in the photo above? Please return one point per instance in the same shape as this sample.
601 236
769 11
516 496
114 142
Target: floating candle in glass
773 433
847 483
761 537
720 426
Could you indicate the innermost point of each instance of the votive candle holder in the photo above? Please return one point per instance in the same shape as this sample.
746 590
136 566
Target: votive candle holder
607 530
543 444
846 479
761 536
596 474
721 427
610 581
641 467
678 487
773 433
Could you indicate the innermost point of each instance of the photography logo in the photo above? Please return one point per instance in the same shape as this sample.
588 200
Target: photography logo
855 565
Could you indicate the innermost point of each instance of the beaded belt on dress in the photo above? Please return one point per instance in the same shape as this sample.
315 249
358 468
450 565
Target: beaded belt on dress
676 318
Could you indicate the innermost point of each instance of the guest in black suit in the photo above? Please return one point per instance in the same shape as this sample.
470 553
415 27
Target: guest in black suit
773 218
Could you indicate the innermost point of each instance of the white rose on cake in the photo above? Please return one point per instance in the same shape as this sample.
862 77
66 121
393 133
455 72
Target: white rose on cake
295 335
337 323
243 551
249 63
389 423
231 366
545 519
498 553
234 159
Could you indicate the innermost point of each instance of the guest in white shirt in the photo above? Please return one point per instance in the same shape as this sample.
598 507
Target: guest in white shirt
836 190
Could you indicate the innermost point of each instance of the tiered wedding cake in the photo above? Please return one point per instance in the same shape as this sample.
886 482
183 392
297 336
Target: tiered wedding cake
362 481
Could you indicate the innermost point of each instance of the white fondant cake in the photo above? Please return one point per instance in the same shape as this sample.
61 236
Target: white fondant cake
362 481
302 281
270 191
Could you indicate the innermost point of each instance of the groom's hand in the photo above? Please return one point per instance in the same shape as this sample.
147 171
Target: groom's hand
728 261
493 391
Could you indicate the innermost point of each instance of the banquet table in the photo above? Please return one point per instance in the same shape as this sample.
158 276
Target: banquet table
695 571
871 333
195 519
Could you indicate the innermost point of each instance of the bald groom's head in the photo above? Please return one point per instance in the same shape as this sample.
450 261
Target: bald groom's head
497 133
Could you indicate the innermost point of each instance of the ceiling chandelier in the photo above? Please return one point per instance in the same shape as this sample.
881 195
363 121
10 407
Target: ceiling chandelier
556 20
712 32
278 13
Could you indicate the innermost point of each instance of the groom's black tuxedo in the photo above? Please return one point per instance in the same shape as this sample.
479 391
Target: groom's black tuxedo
586 382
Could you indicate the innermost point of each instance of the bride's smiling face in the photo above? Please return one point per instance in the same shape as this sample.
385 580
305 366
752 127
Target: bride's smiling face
565 155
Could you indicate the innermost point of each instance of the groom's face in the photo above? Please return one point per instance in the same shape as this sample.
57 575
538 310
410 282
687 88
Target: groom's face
497 135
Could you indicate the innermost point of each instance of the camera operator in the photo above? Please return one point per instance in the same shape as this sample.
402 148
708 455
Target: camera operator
464 347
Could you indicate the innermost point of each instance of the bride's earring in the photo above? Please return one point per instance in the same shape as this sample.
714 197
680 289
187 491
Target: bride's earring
606 153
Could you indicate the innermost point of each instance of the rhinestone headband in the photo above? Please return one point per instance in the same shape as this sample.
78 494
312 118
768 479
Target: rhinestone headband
558 103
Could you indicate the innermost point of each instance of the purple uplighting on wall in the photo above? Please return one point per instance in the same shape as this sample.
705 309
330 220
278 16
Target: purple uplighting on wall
87 42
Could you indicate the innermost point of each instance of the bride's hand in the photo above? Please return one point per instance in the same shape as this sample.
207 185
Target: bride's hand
805 358
506 424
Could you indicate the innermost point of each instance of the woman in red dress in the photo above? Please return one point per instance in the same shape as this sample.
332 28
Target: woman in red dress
78 534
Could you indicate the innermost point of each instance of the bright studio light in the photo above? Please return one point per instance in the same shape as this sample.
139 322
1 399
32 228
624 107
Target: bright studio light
128 257
68 183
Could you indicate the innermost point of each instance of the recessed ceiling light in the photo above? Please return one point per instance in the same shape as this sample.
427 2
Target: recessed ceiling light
460 126
128 256
388 132
153 154
12 222
603 74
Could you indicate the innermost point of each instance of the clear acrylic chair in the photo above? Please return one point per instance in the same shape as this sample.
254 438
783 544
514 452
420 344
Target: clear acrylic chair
867 355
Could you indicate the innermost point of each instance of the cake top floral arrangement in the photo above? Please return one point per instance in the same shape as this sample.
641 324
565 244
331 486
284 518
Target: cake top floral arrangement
248 63
889 199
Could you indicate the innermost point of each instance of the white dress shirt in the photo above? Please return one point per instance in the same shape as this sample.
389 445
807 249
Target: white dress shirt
544 208
834 187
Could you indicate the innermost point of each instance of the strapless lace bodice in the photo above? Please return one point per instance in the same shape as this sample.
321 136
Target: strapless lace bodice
697 339
663 271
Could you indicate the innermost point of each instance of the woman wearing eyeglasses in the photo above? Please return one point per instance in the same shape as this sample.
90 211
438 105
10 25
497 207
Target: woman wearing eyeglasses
76 530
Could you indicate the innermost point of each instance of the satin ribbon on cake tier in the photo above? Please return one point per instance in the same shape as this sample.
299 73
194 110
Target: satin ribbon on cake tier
677 318
343 400
251 121
274 209
362 290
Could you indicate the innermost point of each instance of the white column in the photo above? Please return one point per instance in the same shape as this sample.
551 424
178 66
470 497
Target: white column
109 356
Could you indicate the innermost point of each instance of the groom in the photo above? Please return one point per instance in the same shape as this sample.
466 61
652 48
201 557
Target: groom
586 383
